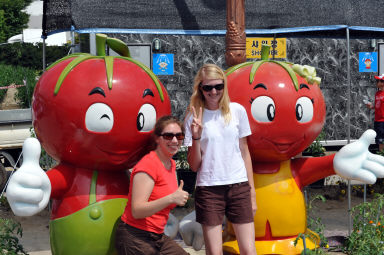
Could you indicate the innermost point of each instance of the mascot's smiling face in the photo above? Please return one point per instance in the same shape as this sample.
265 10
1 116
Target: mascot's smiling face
286 113
88 123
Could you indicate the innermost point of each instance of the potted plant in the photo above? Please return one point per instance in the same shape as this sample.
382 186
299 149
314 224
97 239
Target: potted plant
183 171
316 149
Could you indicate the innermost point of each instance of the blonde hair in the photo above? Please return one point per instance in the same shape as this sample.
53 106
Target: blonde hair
210 72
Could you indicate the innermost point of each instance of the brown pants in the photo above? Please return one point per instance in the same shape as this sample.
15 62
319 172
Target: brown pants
133 241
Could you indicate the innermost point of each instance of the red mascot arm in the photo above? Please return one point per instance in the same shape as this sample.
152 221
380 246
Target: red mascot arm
61 178
308 170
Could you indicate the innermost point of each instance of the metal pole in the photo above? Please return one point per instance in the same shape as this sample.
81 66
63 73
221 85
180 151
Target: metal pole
92 43
365 193
44 61
305 196
73 41
349 87
349 126
349 209
274 46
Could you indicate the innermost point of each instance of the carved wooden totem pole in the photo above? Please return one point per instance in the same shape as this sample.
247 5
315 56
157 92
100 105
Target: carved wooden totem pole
235 38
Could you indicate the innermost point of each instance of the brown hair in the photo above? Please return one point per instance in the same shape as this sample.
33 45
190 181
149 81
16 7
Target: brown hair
161 124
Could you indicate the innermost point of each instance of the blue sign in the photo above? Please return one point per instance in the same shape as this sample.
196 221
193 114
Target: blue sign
368 62
163 64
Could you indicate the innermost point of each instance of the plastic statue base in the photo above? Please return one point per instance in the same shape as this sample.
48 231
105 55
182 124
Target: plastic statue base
284 246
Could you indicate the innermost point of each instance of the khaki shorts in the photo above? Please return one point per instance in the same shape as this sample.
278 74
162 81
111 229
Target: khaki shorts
232 200
134 241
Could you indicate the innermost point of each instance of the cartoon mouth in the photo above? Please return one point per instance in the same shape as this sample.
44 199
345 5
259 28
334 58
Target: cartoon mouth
283 147
116 157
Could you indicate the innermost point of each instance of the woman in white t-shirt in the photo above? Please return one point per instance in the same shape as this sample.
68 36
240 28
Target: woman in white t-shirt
216 136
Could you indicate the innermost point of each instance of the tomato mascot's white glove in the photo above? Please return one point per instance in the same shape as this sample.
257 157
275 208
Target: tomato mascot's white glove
191 231
29 187
355 162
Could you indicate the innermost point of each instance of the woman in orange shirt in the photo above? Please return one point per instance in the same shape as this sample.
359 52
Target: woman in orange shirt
153 192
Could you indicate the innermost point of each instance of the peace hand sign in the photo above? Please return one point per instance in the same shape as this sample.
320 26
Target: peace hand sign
196 126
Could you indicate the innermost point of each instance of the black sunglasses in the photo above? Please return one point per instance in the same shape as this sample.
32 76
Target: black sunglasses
169 136
210 87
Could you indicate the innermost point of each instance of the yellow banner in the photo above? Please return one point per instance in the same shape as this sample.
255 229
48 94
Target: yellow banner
254 47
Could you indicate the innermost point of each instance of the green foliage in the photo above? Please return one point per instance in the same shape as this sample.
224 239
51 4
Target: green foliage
316 149
313 252
367 236
15 75
2 26
181 158
31 55
10 230
371 189
24 60
381 153
46 162
314 224
4 203
84 42
12 20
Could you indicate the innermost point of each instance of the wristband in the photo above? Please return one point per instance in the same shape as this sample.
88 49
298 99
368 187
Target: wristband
196 138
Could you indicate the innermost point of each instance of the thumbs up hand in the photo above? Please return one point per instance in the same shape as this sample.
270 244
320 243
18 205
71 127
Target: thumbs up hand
180 196
355 162
29 187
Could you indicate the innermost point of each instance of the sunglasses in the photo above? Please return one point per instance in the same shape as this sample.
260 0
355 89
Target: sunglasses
209 87
169 136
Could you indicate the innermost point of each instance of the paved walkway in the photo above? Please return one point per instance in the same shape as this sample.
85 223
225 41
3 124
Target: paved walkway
35 238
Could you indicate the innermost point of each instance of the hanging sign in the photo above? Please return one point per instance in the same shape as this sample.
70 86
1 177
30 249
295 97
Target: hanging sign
278 47
163 64
368 62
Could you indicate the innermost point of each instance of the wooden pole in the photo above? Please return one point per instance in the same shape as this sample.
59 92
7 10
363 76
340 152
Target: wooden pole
235 38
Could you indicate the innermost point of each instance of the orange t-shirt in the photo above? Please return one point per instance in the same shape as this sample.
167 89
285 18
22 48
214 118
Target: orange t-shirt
165 184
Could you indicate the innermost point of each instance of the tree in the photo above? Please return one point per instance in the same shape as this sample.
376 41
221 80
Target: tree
12 19
2 26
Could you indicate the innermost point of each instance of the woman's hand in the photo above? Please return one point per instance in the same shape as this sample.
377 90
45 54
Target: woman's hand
180 196
194 152
141 190
196 126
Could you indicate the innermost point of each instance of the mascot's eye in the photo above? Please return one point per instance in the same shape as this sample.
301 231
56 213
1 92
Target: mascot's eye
263 109
99 118
304 109
146 118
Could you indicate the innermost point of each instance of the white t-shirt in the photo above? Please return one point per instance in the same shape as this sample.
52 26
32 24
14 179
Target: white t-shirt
222 162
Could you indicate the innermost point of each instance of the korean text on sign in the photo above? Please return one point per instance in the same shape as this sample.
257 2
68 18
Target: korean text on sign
278 47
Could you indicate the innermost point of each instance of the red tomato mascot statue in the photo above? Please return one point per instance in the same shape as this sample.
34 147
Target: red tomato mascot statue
94 115
286 111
